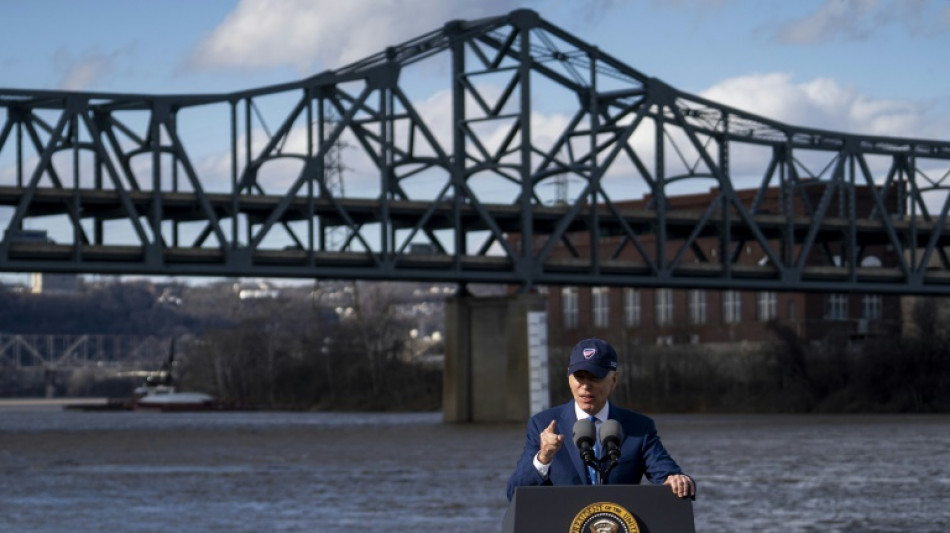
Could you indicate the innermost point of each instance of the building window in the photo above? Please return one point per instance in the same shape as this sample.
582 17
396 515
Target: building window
600 297
569 307
731 307
664 307
697 306
837 307
871 306
631 307
768 306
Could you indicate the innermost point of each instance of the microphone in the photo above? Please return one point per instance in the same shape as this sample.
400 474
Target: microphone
611 435
585 434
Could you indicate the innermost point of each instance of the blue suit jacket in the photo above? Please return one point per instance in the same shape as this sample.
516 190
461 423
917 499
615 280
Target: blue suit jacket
641 452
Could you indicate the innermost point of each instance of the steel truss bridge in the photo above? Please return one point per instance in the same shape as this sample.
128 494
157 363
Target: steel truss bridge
541 160
107 352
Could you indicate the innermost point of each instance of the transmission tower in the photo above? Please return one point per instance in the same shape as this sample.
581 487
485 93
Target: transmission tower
333 175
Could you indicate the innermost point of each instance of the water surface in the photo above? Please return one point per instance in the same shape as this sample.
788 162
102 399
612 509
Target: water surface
69 471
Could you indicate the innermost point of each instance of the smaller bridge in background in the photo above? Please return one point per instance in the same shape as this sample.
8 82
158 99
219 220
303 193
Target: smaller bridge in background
70 352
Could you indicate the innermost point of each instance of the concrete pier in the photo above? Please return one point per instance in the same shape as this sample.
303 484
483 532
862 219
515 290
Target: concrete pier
489 353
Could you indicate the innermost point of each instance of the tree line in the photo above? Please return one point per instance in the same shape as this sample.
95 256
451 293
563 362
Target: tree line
288 353
307 351
907 373
338 346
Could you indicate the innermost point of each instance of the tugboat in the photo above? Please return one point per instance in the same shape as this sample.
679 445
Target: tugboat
158 393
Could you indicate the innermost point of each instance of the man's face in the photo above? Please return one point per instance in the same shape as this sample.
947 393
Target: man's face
591 392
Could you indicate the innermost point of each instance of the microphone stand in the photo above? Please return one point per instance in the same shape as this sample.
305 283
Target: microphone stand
613 461
610 458
597 463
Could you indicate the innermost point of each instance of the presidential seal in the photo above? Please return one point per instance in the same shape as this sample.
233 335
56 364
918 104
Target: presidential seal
604 517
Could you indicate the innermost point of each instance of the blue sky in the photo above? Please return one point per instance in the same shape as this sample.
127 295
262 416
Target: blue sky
884 51
865 66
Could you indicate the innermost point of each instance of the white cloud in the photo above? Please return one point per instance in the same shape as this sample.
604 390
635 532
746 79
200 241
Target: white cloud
823 24
315 35
822 104
83 71
859 20
825 104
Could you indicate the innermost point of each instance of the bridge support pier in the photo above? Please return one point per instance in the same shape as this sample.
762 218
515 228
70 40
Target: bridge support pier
495 358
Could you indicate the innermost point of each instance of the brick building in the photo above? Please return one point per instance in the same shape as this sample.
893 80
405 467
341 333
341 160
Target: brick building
663 316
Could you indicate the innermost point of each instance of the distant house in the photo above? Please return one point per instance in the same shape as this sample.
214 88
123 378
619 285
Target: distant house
256 291
46 283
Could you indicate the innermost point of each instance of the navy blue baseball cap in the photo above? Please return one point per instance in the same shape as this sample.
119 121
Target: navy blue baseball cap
594 355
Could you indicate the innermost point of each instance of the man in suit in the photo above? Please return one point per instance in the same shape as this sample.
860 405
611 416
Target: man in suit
550 459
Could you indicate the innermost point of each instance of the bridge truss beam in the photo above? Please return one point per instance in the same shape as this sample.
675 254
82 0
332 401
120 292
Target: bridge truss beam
542 161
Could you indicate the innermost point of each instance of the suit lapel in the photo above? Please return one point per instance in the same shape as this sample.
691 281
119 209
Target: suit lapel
567 420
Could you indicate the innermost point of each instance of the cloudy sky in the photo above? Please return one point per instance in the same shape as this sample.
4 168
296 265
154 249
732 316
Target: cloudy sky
869 66
863 66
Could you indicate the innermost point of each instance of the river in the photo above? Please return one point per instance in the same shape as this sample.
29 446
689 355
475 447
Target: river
72 471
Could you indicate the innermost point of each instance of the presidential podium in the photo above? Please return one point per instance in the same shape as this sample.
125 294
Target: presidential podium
591 509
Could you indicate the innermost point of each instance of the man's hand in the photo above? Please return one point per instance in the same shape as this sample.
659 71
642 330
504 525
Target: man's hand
682 485
550 443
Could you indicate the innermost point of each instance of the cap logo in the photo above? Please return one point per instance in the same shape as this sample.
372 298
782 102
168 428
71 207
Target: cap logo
589 352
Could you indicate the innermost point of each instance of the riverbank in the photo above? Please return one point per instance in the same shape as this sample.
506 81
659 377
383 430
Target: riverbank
46 403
